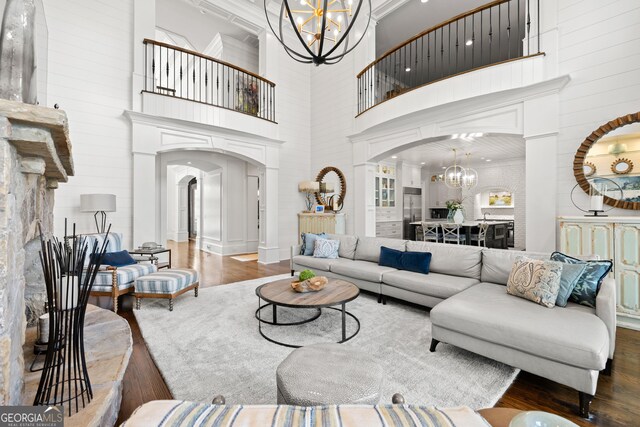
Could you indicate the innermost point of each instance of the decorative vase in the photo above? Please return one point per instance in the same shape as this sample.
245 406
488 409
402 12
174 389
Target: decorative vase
458 216
17 52
450 215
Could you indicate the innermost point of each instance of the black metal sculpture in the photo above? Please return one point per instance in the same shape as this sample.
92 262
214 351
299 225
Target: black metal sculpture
68 279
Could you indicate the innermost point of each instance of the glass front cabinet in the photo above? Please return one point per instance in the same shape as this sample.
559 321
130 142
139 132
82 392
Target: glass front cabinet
385 186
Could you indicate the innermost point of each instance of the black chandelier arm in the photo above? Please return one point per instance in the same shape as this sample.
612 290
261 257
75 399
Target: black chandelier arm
353 21
280 39
323 31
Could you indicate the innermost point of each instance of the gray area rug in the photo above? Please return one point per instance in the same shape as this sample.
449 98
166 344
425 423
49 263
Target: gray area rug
210 345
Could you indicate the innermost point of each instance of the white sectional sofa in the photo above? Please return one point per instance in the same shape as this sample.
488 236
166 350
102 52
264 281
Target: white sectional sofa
466 287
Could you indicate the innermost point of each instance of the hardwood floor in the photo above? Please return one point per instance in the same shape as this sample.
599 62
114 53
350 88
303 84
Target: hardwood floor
616 402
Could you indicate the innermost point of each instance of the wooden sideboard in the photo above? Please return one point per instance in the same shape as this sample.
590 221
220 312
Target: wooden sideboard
330 223
614 238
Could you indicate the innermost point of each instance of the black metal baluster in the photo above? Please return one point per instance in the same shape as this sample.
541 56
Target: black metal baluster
538 19
490 33
167 69
449 51
481 37
417 76
457 45
228 88
509 30
500 32
428 55
528 27
442 51
146 70
473 40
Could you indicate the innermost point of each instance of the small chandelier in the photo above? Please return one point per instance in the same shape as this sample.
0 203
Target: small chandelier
469 176
321 28
453 175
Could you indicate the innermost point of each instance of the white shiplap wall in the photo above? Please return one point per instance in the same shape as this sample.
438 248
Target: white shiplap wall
599 44
293 114
90 66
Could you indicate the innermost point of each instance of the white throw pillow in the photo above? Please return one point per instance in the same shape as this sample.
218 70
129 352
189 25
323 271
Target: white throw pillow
325 248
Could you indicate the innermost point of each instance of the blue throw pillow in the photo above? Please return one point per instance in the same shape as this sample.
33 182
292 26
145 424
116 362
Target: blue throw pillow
588 284
118 259
418 262
309 242
569 277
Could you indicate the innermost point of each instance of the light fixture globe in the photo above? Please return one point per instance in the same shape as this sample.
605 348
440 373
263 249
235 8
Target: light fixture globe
453 176
469 178
318 31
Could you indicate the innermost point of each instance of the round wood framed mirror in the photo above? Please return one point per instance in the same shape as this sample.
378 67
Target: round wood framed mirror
622 166
620 172
332 175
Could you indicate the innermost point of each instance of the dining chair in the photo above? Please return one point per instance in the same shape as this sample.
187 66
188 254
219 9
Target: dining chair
481 236
430 231
452 234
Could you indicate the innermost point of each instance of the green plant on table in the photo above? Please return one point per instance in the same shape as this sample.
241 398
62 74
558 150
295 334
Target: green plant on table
306 275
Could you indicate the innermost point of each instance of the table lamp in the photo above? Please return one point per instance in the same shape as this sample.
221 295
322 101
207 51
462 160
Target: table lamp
100 204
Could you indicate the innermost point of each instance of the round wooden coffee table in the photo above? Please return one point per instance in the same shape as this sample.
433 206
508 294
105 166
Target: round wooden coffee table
280 294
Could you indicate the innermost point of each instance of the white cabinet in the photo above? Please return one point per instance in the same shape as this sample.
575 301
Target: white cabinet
392 229
411 176
385 186
614 238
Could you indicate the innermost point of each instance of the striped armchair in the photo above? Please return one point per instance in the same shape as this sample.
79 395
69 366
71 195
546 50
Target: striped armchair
116 281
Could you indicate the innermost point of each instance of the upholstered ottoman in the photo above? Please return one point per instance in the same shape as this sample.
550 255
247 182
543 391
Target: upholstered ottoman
166 284
327 374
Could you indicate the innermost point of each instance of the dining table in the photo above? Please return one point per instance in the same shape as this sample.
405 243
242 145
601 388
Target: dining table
496 233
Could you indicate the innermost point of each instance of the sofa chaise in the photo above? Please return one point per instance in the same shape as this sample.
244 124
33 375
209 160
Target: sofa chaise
466 287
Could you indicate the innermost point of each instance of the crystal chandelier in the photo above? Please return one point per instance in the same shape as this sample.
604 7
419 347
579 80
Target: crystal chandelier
469 176
319 29
453 175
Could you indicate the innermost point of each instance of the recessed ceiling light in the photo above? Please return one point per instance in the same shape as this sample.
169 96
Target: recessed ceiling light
424 1
444 167
469 42
394 157
407 69
488 160
188 163
423 163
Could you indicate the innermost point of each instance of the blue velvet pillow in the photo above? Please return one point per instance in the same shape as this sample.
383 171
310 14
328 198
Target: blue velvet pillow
309 243
118 259
588 284
418 262
569 277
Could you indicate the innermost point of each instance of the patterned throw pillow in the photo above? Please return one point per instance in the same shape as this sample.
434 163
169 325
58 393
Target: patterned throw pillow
535 280
308 242
588 284
325 248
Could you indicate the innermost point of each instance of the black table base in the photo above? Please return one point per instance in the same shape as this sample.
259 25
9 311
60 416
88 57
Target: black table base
274 322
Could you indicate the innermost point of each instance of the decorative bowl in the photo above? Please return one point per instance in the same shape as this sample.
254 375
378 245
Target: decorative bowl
314 284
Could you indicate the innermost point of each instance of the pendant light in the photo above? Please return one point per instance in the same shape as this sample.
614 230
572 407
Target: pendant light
470 176
453 174
318 31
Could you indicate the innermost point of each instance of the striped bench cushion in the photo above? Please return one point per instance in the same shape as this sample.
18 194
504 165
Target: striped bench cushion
166 281
126 276
165 413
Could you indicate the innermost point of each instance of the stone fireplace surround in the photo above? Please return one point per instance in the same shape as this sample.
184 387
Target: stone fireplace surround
35 155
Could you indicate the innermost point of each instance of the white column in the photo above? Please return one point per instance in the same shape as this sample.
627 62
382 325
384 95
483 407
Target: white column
541 189
541 123
364 203
268 250
145 215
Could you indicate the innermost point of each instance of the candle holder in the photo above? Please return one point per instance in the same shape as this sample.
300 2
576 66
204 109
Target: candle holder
599 188
70 268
